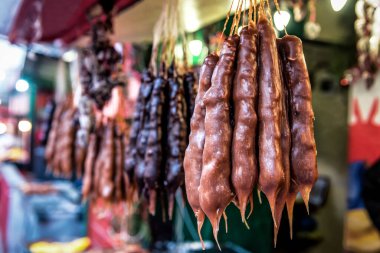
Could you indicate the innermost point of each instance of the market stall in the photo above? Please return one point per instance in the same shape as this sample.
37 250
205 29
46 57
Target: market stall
186 126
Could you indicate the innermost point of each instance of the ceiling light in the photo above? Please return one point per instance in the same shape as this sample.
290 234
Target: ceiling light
70 56
3 128
22 85
281 19
195 47
24 126
337 5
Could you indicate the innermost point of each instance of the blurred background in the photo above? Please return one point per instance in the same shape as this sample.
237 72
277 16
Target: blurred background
43 46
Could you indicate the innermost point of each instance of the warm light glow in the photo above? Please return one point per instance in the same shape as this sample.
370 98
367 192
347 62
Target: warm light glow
22 85
281 19
195 47
191 20
3 128
24 126
376 16
337 5
178 51
70 56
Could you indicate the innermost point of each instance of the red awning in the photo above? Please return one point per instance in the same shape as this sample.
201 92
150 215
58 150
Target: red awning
48 20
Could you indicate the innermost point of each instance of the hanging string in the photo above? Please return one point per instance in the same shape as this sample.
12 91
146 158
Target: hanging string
183 38
279 12
268 12
224 27
250 10
247 11
261 8
234 20
163 40
173 30
184 50
245 14
157 34
237 21
239 17
162 57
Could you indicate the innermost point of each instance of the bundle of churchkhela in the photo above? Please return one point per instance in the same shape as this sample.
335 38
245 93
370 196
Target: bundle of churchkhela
103 158
47 121
159 132
100 72
100 69
59 152
88 137
104 176
252 125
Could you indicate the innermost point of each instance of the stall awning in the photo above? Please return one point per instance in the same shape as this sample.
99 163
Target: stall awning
66 20
51 20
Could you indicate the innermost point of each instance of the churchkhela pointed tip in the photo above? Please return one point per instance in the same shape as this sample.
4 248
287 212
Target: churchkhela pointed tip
225 221
215 228
251 206
200 220
171 206
152 202
275 234
242 208
289 206
305 193
271 196
259 196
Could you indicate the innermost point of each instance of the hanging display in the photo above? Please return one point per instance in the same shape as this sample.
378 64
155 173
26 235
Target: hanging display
247 125
252 125
159 132
88 139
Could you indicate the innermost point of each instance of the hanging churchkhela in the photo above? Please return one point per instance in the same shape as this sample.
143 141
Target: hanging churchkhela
176 137
245 92
303 166
100 72
252 125
159 131
194 152
59 152
134 152
89 138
